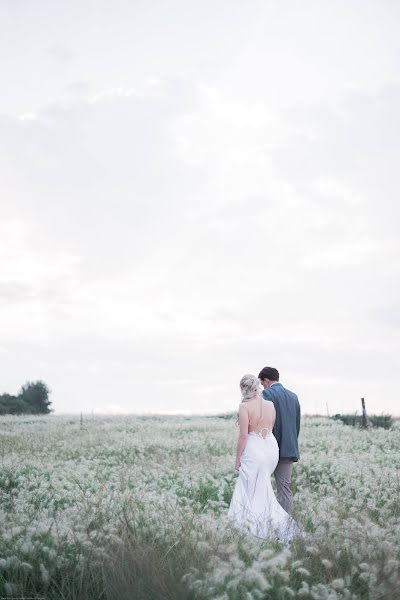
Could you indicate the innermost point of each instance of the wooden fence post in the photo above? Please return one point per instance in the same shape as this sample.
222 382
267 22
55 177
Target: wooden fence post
365 420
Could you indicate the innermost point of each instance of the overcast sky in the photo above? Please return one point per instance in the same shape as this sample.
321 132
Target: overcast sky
190 191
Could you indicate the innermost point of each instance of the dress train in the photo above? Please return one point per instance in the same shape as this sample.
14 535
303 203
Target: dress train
254 506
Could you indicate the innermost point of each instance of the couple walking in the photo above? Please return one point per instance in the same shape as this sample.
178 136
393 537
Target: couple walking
269 423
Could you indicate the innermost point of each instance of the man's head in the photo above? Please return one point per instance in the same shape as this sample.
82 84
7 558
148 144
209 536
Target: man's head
268 376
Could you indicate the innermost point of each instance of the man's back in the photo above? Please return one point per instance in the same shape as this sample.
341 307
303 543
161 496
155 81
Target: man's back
287 423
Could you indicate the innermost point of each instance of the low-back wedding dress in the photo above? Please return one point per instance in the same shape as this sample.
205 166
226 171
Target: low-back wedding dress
254 506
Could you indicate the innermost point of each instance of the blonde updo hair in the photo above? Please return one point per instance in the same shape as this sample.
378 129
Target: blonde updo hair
250 388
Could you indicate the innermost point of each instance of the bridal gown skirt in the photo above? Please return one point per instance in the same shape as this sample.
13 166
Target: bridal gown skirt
254 506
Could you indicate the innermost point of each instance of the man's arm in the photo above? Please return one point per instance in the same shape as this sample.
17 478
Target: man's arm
266 394
298 418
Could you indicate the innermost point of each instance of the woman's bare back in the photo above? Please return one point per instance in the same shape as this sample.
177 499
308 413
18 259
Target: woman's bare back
266 423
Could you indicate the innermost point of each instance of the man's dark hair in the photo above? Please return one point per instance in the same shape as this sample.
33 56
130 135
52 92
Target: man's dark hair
269 373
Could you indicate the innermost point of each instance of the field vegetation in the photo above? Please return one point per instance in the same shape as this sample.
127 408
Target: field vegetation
135 507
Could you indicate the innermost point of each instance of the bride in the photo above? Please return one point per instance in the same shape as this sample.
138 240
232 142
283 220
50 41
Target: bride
254 506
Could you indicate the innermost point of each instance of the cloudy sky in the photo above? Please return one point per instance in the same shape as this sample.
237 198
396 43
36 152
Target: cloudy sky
190 191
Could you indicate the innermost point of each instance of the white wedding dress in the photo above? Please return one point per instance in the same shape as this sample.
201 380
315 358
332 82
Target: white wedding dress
254 506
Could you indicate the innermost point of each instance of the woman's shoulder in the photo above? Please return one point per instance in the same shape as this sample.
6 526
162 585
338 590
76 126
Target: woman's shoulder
270 404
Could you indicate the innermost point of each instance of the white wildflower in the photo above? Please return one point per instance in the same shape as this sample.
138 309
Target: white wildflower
44 573
296 564
10 588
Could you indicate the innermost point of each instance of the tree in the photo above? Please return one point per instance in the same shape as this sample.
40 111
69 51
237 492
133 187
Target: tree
12 405
36 396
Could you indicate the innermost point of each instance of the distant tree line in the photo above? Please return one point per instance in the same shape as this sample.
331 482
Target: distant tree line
33 398
356 420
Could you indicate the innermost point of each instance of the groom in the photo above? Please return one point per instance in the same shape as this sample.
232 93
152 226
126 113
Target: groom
286 430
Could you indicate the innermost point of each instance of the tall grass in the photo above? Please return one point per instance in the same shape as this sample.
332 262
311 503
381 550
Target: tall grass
133 507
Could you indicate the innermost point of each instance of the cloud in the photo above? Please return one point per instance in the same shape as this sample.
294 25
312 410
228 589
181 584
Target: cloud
61 54
10 293
387 314
78 89
153 236
174 221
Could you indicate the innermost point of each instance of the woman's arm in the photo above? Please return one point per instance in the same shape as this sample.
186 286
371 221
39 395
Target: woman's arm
243 433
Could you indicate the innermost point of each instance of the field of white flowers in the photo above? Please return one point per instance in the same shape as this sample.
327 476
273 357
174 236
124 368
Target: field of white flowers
135 507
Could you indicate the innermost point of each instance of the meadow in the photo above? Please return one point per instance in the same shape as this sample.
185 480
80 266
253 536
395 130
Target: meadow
135 507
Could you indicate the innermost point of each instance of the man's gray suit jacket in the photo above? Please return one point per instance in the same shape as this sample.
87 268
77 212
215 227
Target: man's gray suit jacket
287 423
